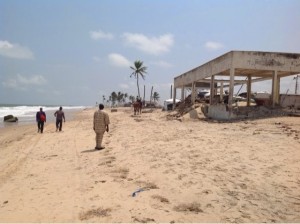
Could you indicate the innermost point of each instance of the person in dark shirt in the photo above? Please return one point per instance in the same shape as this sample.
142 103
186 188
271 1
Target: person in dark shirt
226 97
40 119
60 115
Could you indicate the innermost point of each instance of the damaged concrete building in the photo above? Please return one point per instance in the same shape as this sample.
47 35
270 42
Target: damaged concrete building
236 68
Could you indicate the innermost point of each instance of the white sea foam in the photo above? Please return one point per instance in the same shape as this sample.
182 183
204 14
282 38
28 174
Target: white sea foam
30 111
27 114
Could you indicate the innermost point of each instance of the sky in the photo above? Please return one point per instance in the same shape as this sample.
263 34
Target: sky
71 52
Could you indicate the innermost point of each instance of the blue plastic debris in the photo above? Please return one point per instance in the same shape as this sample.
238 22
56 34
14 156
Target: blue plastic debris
137 191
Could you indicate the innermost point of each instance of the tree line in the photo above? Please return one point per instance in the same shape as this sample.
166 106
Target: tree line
138 70
120 98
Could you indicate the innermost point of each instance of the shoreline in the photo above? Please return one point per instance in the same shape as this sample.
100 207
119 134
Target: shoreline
187 170
69 114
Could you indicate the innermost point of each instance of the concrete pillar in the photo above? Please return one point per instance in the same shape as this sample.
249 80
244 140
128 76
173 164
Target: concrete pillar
275 95
193 93
249 87
174 97
212 90
182 93
231 89
221 91
278 89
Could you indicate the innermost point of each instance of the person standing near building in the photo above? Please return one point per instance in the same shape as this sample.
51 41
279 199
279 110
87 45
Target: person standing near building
40 119
60 115
100 125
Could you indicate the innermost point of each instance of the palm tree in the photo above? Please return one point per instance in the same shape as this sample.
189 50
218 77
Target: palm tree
138 70
120 97
113 97
131 98
125 96
155 96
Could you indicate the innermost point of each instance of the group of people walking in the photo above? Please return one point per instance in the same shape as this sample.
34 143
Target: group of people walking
41 119
100 123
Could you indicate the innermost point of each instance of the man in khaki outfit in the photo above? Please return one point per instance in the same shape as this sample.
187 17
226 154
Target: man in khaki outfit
101 122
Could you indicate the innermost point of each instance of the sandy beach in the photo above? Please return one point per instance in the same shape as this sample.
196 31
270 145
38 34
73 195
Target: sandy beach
153 169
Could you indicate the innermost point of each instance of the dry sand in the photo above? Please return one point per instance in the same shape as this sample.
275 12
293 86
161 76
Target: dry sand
191 170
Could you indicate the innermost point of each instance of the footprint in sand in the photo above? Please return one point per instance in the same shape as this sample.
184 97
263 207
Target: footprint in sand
207 191
243 186
181 176
193 207
142 220
209 206
160 198
107 160
99 212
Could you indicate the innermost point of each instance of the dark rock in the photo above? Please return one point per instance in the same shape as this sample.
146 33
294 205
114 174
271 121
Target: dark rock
10 118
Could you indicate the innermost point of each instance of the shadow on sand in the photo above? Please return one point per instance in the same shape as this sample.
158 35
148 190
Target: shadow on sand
91 150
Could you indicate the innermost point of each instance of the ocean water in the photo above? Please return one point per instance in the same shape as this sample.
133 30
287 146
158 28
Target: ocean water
26 113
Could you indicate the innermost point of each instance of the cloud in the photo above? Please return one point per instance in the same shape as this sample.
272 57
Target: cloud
21 82
10 50
162 64
96 35
10 83
210 45
34 80
150 45
119 60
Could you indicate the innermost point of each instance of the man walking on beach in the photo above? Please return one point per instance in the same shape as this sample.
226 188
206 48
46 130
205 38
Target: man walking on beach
40 119
60 115
100 125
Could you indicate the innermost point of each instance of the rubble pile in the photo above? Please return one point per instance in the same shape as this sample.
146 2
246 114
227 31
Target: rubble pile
182 108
